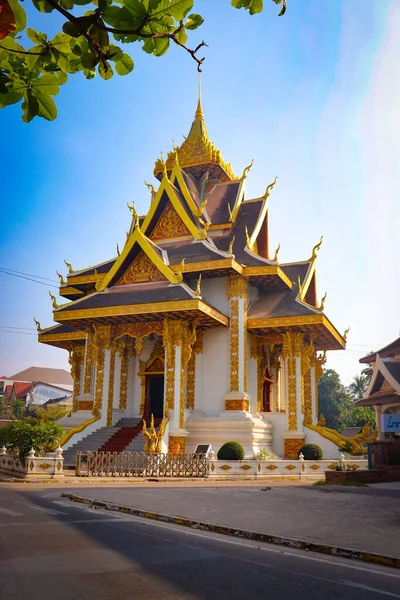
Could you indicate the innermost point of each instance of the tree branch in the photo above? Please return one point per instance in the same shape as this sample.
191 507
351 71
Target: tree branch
24 51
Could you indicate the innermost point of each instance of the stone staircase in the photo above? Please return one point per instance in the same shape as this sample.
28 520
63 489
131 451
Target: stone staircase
128 430
125 435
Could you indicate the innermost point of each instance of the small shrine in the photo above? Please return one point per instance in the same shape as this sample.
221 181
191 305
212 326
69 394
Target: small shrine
195 322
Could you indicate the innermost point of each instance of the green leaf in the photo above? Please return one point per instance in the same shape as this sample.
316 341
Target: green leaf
175 8
30 107
43 6
253 6
194 21
124 65
67 4
89 73
10 97
121 18
32 60
47 106
71 29
19 14
105 70
89 60
47 83
36 36
161 46
114 53
82 2
61 42
100 36
136 8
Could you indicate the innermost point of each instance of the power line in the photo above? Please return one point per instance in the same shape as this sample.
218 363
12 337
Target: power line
29 274
12 327
28 278
20 332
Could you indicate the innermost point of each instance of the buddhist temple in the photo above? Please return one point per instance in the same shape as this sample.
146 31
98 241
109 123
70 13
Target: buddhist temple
195 321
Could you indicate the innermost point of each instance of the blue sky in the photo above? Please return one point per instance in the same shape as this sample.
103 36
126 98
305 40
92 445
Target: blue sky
313 97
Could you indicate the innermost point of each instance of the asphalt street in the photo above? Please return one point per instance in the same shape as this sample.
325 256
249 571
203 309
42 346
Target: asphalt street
51 548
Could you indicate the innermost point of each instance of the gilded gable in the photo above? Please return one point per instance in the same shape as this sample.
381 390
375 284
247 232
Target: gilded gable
141 270
170 225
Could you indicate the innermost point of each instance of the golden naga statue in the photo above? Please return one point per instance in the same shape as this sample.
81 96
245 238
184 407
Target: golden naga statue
356 446
153 438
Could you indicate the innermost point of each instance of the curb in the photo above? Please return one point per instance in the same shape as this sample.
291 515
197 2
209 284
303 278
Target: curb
378 559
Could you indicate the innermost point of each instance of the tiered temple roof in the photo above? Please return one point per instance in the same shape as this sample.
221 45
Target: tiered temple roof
199 223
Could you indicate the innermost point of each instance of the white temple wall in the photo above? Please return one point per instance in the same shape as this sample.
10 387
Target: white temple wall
214 370
251 379
214 291
279 421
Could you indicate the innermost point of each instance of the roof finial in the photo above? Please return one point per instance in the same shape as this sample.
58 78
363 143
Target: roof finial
62 281
38 327
199 111
322 305
54 300
315 250
346 333
275 259
198 287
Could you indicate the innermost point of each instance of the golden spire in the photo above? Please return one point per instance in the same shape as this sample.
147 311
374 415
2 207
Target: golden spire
70 269
118 252
54 300
198 289
346 333
62 281
275 259
315 250
38 327
246 170
322 305
151 188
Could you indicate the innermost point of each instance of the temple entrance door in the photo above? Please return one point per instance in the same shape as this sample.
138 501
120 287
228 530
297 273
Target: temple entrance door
154 396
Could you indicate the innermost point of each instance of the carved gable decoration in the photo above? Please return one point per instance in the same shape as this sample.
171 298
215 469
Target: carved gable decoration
141 270
170 225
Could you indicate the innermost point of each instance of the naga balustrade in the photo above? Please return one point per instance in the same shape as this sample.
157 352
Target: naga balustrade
140 464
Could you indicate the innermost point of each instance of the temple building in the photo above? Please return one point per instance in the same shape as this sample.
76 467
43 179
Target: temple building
195 321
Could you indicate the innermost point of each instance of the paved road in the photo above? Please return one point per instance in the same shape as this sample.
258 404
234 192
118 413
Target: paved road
50 548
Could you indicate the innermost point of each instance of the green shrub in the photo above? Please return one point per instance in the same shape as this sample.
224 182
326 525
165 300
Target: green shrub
311 452
231 451
20 437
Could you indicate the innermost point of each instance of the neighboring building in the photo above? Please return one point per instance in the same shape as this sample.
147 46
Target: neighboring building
383 392
196 321
55 377
20 391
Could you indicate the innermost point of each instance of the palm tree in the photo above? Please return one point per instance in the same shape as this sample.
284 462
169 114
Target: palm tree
358 387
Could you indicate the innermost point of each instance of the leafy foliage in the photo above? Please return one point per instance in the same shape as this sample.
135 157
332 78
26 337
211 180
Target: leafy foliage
231 451
20 437
337 403
311 452
44 414
33 74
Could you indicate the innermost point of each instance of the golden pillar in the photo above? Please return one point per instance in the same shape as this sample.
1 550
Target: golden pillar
111 375
237 292
76 359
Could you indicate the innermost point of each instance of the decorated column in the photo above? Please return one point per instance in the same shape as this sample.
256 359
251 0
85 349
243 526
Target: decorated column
102 357
111 376
292 352
123 381
237 399
76 360
178 339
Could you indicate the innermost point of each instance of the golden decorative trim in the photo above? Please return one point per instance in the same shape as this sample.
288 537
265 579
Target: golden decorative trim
110 399
89 355
80 279
85 404
290 467
220 226
234 345
141 270
237 405
76 358
176 445
268 270
237 287
169 226
296 321
225 467
314 467
292 448
169 341
139 331
62 337
271 467
70 291
191 382
102 342
139 309
211 265
245 467
262 214
357 444
123 382
68 435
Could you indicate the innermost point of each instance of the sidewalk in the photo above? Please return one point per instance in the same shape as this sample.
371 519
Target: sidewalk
362 519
